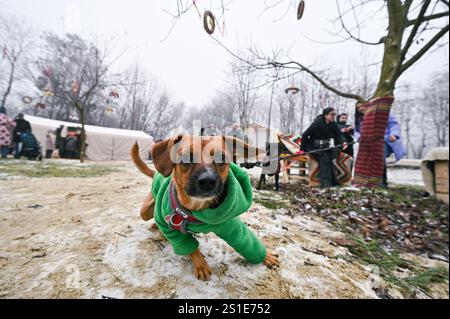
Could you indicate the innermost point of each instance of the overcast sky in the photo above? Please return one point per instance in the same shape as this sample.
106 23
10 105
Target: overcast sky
191 64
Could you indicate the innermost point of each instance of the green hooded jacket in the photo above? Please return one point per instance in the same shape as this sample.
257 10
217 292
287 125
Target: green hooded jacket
224 220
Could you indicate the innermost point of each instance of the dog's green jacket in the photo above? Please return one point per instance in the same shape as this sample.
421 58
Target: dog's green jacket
224 220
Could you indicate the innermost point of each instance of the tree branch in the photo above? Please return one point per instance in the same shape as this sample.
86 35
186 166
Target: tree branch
318 79
341 19
410 41
424 50
429 18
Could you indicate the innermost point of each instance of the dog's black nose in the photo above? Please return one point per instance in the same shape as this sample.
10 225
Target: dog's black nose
207 181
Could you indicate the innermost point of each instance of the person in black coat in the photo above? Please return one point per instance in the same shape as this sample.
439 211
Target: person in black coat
347 130
23 126
318 136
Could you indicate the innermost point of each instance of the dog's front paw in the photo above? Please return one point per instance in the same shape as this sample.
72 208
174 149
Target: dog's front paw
201 267
271 260
203 272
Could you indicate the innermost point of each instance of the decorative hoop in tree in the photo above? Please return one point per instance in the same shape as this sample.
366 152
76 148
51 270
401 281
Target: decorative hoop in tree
209 22
27 100
301 9
293 90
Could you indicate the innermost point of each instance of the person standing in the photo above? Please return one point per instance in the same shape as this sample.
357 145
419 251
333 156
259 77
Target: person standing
237 132
393 144
50 140
348 131
23 126
212 131
6 123
318 136
71 146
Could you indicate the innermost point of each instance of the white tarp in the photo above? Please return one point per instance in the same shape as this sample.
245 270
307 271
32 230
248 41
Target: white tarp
104 143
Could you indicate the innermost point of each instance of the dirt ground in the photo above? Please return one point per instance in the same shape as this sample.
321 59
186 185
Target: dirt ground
71 237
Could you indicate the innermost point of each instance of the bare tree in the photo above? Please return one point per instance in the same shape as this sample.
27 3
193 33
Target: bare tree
436 106
243 82
140 99
220 111
78 74
16 42
165 116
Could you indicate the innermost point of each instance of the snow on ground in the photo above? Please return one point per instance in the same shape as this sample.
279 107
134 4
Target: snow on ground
405 176
86 240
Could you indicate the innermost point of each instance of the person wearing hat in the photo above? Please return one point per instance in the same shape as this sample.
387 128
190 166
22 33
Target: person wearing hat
212 130
23 126
6 123
318 136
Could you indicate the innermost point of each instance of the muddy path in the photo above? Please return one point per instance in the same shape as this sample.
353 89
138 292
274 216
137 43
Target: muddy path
69 237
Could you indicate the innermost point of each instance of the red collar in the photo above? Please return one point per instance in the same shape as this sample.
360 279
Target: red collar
179 217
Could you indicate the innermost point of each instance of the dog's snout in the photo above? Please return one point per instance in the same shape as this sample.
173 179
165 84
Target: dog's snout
207 181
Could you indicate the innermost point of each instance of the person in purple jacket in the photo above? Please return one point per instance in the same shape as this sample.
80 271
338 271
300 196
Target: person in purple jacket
393 143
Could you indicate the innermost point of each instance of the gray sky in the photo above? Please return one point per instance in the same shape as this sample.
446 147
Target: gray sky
189 63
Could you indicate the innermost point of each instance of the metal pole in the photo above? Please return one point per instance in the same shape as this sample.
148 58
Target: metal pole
270 107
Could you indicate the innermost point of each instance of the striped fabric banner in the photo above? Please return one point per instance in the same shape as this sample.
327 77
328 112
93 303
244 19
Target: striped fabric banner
370 160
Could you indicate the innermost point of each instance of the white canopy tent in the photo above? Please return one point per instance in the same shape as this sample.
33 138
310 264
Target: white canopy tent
104 143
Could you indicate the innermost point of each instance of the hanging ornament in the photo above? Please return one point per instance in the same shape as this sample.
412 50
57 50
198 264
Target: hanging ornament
293 90
109 109
40 105
48 72
301 9
5 52
48 92
75 87
27 99
114 94
209 22
74 117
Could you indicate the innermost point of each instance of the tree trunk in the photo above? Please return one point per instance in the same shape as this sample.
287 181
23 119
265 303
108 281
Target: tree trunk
371 158
10 82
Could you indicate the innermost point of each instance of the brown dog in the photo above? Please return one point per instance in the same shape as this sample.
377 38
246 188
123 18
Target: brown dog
200 181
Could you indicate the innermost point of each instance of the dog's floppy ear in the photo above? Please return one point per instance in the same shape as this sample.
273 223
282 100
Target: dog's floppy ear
239 148
161 154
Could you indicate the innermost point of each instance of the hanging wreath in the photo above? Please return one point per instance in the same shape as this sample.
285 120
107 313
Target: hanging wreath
292 90
209 22
301 9
27 99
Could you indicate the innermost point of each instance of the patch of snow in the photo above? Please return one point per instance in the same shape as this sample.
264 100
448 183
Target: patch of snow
405 176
